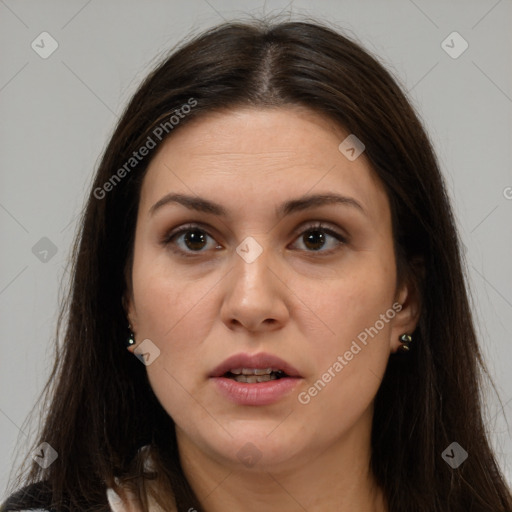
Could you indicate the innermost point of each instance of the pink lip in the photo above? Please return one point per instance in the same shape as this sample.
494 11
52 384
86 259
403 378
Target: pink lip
260 393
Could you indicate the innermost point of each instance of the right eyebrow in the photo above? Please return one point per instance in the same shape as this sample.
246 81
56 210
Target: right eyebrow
191 202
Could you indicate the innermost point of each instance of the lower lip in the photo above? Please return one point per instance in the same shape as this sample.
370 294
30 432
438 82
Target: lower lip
259 393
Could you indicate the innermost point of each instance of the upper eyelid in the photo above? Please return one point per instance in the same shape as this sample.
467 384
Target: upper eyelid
319 225
305 226
188 226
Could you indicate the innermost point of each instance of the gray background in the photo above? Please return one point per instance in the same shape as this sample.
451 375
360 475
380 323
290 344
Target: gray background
57 114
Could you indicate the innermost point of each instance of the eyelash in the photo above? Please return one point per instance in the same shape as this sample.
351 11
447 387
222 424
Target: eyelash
167 240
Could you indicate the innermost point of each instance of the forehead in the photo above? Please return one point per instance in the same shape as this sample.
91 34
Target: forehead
255 157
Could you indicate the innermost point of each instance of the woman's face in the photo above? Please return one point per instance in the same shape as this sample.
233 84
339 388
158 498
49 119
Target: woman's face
252 274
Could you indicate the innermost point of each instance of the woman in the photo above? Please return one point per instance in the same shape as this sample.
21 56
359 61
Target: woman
269 236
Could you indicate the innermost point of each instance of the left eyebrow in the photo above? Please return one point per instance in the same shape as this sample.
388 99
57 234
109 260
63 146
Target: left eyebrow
291 206
316 200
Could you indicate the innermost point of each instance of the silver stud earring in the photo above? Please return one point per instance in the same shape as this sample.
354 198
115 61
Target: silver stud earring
130 342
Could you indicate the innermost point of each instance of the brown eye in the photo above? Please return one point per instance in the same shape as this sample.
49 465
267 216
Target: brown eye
321 239
314 239
190 239
194 239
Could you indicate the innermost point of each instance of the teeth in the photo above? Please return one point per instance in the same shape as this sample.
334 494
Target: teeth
252 371
252 379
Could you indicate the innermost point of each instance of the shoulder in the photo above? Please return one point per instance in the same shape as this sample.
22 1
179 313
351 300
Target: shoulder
33 497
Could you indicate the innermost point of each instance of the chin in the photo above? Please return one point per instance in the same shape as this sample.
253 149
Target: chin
258 446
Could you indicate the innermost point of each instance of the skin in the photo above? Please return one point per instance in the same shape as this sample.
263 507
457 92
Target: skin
292 301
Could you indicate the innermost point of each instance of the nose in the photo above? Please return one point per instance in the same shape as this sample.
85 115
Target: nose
254 296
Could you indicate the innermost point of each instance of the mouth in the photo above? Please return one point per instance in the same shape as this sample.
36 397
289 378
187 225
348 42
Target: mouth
258 379
254 368
255 375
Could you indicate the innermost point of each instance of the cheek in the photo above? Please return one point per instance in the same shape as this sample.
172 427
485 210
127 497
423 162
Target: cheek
176 314
164 297
168 307
354 301
351 355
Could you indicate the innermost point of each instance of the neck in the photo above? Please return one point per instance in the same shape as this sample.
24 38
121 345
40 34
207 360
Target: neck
336 479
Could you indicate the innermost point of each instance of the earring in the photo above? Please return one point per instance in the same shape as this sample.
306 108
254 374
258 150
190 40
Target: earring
405 339
131 338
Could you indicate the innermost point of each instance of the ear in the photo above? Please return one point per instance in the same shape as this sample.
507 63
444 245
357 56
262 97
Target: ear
405 321
129 309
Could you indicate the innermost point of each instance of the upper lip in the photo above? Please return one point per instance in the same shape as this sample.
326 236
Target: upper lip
254 361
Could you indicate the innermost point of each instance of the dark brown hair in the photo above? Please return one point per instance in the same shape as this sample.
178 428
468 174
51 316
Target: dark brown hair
100 408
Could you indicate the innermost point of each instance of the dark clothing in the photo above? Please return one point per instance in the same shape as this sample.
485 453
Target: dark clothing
32 497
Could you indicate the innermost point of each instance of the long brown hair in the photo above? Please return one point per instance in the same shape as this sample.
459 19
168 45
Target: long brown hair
100 408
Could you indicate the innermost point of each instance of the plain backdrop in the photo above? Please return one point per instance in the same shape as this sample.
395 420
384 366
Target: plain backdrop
58 112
